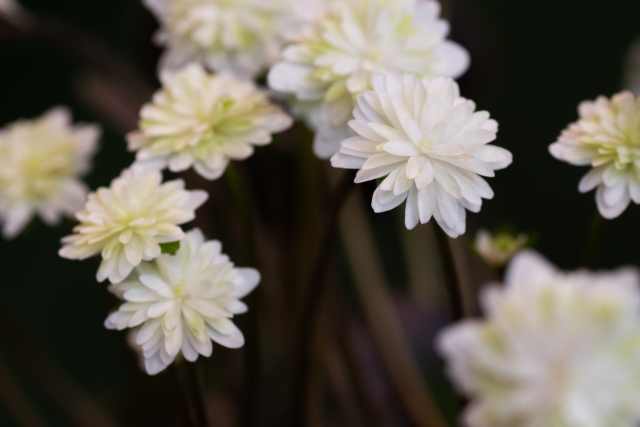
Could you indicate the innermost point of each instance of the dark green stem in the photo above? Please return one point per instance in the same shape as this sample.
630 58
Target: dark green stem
452 279
197 394
252 346
595 235
180 396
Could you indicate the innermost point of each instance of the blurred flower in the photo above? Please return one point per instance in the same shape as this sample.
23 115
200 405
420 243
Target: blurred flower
237 36
498 250
204 121
607 137
40 163
632 69
127 222
335 60
184 301
428 144
556 349
12 11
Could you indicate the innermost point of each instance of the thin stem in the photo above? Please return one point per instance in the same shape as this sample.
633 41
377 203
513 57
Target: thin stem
182 404
595 235
312 298
252 345
197 394
59 387
450 273
17 402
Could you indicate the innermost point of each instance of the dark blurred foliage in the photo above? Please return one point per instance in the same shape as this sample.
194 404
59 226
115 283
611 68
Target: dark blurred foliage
533 62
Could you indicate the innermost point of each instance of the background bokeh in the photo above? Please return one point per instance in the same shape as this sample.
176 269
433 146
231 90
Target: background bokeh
533 62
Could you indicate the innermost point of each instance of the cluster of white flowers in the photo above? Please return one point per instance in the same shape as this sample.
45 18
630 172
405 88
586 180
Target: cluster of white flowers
182 302
607 137
430 146
239 36
497 250
556 349
335 58
40 165
203 120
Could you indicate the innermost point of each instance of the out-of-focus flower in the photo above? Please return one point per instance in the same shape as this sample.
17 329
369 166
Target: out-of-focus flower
204 121
335 60
237 36
556 349
40 165
497 250
128 221
607 137
429 145
184 301
12 11
632 69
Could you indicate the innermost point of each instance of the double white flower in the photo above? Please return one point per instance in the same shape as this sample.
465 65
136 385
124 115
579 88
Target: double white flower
556 349
607 137
203 120
127 222
430 146
184 301
241 37
40 165
335 58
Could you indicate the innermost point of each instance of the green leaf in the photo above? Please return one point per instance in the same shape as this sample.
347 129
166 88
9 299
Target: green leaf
170 248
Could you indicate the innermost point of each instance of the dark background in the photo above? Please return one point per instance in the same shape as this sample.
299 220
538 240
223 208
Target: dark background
532 63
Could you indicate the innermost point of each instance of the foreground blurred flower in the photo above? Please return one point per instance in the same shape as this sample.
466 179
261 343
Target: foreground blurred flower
428 144
607 137
127 222
204 121
335 61
497 250
556 350
12 11
184 301
237 36
40 163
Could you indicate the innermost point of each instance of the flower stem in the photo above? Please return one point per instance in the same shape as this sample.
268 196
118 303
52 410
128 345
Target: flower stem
182 404
310 307
595 235
252 346
452 279
197 394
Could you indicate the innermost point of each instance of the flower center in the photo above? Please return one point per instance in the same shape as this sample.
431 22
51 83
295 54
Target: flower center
180 289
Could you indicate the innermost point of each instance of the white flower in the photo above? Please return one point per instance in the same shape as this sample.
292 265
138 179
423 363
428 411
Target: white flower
204 121
128 221
237 36
184 301
40 165
335 60
607 137
556 350
431 146
498 250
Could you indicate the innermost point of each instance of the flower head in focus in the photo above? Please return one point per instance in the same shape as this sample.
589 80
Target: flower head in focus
40 165
241 37
607 137
127 222
335 60
556 349
429 145
204 121
497 250
184 301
